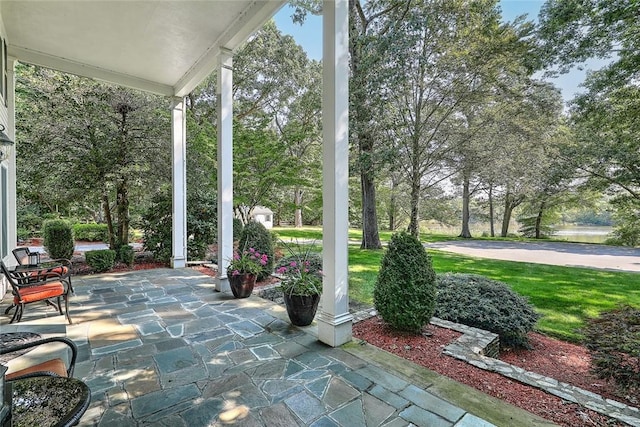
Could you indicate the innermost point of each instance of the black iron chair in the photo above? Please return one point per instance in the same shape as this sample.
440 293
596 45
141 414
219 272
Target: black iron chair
60 266
36 285
55 367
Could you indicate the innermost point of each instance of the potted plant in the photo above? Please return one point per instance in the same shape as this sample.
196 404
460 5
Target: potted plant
243 271
301 284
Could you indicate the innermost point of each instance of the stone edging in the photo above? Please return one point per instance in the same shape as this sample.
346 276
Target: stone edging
469 348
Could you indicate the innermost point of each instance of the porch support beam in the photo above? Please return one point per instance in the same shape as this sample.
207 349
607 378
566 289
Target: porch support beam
334 320
224 97
179 183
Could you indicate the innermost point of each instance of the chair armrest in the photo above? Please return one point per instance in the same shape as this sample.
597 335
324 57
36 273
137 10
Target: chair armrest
67 341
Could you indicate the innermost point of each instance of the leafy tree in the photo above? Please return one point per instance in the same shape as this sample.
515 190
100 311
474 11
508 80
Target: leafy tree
89 145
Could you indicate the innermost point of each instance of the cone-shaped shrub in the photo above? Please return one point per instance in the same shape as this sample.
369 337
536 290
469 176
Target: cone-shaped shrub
405 292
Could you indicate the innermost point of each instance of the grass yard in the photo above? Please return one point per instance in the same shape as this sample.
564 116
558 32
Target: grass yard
566 296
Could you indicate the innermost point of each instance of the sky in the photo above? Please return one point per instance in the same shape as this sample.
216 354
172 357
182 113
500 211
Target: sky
309 37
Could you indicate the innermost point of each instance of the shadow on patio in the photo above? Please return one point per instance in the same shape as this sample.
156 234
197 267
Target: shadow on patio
161 347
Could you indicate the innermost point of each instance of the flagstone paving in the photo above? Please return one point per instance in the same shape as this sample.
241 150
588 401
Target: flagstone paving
162 348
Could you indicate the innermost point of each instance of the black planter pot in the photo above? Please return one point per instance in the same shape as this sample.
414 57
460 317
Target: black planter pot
242 284
301 308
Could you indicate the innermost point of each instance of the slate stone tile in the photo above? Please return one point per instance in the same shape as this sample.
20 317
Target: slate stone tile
203 414
376 411
305 406
248 395
423 418
278 390
265 352
383 378
428 401
338 393
245 328
357 380
325 422
149 328
470 420
174 360
292 369
313 360
277 416
389 397
318 387
209 335
273 369
156 401
225 383
350 414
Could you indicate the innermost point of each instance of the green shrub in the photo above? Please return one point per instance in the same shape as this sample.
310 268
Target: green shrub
478 301
405 292
101 260
201 224
237 228
91 232
255 235
58 238
614 341
126 255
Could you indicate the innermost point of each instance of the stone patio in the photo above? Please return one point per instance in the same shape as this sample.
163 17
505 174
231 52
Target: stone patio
162 348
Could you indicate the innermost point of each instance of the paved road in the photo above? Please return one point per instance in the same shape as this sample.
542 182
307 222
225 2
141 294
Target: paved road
554 253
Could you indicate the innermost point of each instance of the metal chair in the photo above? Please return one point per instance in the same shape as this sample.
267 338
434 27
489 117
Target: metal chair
55 367
36 285
23 254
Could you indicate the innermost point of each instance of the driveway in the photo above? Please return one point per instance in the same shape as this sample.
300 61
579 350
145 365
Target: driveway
554 253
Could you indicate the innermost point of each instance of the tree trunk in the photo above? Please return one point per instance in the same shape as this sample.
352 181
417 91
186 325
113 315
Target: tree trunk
491 213
414 219
370 236
539 220
392 206
123 213
466 232
109 220
506 218
297 201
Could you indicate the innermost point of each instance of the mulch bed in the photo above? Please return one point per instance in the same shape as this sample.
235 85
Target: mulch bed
557 359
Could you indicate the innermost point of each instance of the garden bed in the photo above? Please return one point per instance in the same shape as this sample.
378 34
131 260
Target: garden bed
560 360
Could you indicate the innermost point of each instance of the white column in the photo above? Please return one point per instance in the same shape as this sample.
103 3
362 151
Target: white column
224 97
12 224
179 183
334 320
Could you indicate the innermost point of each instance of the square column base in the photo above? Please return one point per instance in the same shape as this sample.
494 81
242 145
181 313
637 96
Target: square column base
222 284
178 262
334 330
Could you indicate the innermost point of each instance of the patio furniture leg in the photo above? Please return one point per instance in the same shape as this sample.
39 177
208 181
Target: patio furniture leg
66 309
9 308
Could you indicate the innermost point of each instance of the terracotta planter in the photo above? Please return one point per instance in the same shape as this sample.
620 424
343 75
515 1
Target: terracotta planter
242 284
301 308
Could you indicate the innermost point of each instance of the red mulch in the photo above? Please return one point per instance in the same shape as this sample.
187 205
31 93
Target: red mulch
557 359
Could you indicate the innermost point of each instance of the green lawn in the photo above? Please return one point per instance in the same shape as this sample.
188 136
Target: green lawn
566 296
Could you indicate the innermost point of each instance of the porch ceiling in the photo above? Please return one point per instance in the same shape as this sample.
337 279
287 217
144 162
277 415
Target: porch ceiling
166 47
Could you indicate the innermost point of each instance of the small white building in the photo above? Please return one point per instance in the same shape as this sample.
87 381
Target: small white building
263 215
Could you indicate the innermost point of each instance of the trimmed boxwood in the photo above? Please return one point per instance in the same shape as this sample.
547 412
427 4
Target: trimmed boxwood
101 260
405 292
58 238
488 304
91 232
